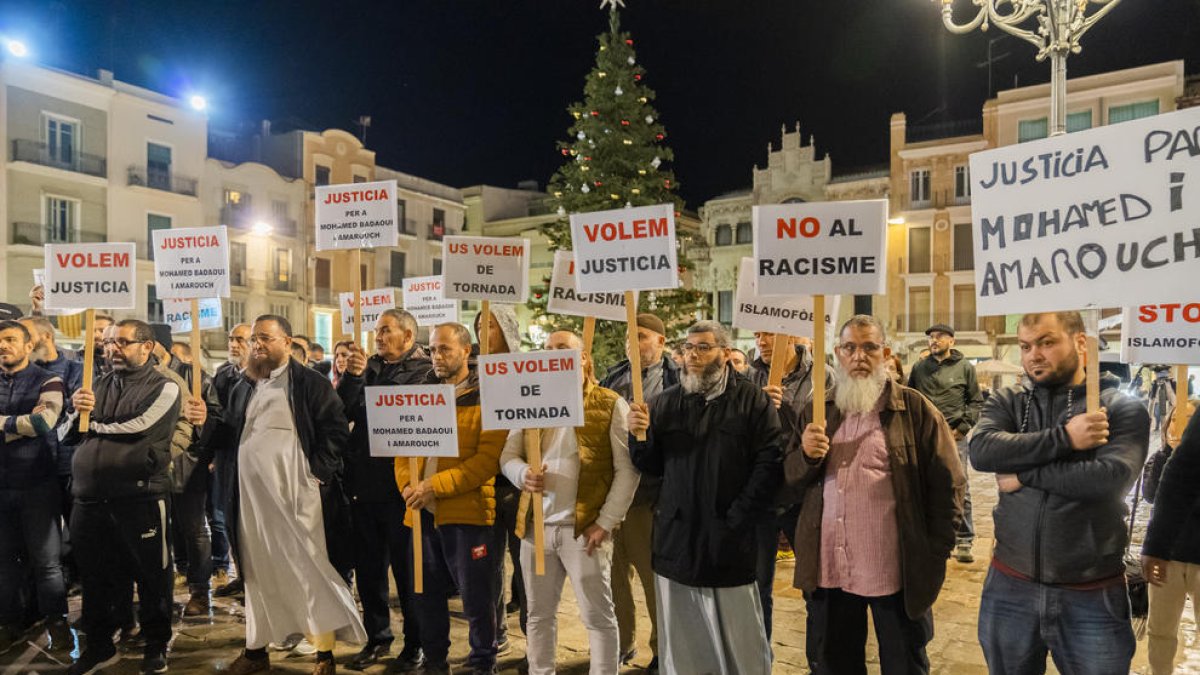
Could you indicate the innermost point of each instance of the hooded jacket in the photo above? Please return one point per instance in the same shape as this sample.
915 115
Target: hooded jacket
1066 524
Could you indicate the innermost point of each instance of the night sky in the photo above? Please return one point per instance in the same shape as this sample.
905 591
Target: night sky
466 92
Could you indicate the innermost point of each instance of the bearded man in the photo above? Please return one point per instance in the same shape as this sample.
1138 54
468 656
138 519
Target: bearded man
883 487
714 440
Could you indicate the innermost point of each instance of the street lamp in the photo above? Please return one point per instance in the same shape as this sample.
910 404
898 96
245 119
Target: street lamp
198 102
261 228
16 48
1056 28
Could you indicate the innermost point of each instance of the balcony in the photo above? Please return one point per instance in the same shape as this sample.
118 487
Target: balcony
37 234
285 285
36 152
159 179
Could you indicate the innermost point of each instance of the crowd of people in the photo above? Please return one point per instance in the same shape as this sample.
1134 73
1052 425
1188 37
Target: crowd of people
264 488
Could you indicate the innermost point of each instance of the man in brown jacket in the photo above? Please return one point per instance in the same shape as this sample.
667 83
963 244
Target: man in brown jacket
877 523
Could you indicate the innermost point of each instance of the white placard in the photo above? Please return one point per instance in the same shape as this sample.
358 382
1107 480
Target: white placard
531 390
373 303
96 276
486 268
356 215
191 262
425 299
564 299
39 279
625 249
790 315
1098 218
178 314
1163 333
415 420
815 248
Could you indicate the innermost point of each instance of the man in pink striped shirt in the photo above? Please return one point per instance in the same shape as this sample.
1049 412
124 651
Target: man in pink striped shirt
883 488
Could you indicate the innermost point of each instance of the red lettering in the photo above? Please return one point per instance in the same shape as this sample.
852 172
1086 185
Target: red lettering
101 260
638 229
1167 313
788 229
502 251
1147 314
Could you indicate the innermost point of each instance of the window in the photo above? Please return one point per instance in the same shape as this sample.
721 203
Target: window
236 197
725 307
745 234
1031 130
279 209
322 175
439 223
918 187
437 266
282 309
964 251
154 306
1132 111
962 183
154 222
283 269
398 263
1078 121
62 140
323 328
322 280
235 313
920 308
359 179
919 253
237 263
964 307
402 217
62 223
724 235
158 166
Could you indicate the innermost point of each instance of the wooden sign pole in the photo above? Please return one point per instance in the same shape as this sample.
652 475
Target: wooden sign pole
414 479
778 360
818 367
196 373
89 363
485 326
356 260
589 333
1182 404
635 355
533 453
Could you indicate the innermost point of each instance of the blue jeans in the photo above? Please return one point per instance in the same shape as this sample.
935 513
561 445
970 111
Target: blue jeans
31 543
1085 632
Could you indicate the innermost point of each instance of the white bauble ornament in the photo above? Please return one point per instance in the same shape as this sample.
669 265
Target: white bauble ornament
581 135
656 162
585 189
618 91
649 119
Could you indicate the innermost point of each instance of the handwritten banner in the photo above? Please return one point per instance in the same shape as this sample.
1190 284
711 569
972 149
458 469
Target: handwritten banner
373 304
531 390
178 314
356 215
1098 218
486 268
1164 333
790 315
191 262
564 299
83 276
415 420
625 249
821 248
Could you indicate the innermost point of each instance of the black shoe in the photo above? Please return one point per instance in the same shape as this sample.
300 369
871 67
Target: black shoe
652 668
93 660
408 661
629 656
155 661
369 655
235 587
442 668
504 648
61 636
131 637
512 607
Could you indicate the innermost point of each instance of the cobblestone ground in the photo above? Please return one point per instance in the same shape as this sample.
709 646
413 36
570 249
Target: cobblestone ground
209 646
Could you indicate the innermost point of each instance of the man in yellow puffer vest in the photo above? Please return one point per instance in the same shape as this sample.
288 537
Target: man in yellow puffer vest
586 484
458 506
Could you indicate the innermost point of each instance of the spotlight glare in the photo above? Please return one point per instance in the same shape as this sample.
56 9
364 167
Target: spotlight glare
16 48
198 102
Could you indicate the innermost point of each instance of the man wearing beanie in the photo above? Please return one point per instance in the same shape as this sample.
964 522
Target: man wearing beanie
631 541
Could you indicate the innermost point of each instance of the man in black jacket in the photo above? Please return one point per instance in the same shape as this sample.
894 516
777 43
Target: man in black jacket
223 380
714 442
120 481
381 540
1057 581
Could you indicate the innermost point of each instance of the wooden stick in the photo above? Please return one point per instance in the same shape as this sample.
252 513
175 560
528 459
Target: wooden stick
485 326
818 368
196 375
533 453
635 356
1093 373
589 333
414 479
1181 400
356 258
89 363
779 358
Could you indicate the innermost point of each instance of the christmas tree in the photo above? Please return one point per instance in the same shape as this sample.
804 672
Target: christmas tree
614 157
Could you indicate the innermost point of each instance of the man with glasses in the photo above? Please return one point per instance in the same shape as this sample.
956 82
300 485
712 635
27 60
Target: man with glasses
714 442
881 480
947 379
120 481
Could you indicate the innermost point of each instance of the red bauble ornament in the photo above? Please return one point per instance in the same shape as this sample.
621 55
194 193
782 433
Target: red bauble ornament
658 136
598 183
637 77
629 42
565 152
595 113
624 123
667 183
587 159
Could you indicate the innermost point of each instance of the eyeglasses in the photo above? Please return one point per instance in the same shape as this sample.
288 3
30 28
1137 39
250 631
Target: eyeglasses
849 348
261 338
121 343
701 348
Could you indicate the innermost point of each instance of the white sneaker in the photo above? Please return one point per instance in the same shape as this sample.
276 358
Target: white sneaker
304 648
287 645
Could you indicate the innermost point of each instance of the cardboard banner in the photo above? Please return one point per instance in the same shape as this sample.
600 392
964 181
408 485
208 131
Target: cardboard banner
821 248
178 314
625 249
417 420
564 299
1098 218
356 215
39 279
425 299
531 390
191 262
1165 333
787 315
88 276
371 305
486 268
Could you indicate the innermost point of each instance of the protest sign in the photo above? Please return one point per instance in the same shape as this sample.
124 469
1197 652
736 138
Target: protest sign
356 215
495 269
39 279
625 249
88 276
789 315
531 390
820 248
371 306
564 299
178 314
1167 333
1097 218
425 299
191 262
417 420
